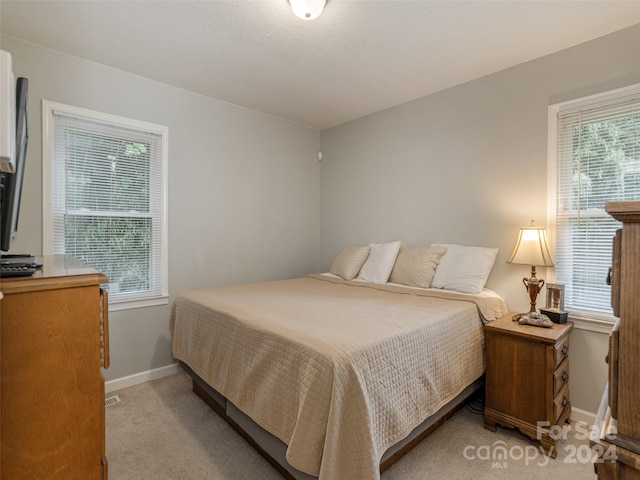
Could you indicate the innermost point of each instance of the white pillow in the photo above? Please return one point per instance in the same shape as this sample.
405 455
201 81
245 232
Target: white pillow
382 257
464 269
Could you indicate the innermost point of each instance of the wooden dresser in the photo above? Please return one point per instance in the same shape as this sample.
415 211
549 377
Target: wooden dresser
616 437
53 341
527 378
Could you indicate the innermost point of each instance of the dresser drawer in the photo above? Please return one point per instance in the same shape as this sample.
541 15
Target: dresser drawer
560 377
560 351
561 403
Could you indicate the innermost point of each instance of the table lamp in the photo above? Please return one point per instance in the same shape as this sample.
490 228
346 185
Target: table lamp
532 249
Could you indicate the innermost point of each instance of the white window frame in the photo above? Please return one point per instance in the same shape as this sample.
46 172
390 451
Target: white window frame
585 320
48 109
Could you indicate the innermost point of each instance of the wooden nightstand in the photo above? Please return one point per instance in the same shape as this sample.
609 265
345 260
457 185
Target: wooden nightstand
527 378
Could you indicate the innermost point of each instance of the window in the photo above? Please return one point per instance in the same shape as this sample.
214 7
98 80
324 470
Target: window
594 152
105 199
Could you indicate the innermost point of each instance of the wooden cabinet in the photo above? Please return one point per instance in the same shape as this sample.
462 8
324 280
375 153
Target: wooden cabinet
53 342
616 437
527 378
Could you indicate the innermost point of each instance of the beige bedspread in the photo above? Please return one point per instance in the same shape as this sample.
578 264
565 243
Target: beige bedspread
337 370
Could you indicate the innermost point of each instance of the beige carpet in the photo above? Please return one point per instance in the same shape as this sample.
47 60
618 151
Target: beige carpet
161 430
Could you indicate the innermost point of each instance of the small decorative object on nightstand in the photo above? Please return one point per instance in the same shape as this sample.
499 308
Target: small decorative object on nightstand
527 378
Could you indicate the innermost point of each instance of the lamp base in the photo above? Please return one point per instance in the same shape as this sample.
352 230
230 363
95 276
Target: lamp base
556 316
533 286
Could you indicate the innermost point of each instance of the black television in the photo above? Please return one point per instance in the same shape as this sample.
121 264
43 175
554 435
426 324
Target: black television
11 183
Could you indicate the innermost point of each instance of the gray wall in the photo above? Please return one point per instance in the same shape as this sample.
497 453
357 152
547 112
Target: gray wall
248 200
244 188
468 165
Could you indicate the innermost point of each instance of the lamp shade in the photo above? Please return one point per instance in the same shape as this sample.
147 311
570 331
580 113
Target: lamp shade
532 248
307 9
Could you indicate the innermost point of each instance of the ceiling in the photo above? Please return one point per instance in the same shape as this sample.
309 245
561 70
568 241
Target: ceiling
357 58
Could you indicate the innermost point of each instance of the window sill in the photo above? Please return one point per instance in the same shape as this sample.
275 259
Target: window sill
123 304
592 322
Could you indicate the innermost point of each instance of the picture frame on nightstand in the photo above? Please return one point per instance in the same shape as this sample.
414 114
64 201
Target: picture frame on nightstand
555 297
555 303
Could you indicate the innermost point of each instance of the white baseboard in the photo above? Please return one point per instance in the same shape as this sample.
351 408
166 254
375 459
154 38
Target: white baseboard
579 415
138 378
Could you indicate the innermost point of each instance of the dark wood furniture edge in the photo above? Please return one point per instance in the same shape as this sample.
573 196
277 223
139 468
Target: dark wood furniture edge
215 406
198 390
404 450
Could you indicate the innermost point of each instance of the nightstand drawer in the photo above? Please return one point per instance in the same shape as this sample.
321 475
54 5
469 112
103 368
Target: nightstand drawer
561 351
561 402
560 377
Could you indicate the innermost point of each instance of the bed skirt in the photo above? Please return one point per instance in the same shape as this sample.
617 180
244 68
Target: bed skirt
274 450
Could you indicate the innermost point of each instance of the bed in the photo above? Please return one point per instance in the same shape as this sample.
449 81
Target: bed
332 378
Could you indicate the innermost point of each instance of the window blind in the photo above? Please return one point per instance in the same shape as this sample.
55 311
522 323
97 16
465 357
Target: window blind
598 160
108 200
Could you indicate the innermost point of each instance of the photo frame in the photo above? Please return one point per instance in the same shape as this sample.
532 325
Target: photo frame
555 297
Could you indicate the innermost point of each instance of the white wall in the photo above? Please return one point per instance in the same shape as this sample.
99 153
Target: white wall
244 188
468 165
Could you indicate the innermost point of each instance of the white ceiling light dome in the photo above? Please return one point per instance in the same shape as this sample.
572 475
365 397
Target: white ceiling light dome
307 9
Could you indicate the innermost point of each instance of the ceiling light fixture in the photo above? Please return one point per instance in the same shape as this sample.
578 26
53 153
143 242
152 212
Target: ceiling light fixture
307 9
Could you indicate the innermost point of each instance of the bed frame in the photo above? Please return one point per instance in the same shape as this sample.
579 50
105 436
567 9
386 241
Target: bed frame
274 450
